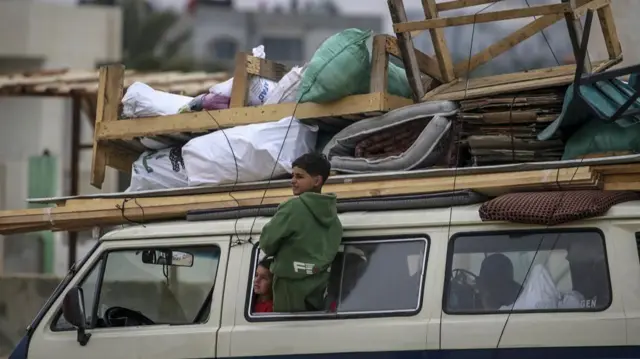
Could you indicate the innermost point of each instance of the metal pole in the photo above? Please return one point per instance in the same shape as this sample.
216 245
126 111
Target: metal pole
75 172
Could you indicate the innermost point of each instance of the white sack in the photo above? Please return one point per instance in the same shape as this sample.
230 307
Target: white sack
158 170
287 88
210 160
539 291
141 100
259 88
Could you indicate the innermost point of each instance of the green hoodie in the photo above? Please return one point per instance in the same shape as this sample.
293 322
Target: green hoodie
304 237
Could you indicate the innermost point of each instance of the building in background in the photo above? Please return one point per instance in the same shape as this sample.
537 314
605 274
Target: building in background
290 35
42 35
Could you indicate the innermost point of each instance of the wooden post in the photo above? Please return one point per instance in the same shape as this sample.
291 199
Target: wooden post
575 34
379 65
405 42
240 82
609 31
108 105
443 56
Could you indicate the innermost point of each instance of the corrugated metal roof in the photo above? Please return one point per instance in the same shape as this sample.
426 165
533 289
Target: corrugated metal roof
66 82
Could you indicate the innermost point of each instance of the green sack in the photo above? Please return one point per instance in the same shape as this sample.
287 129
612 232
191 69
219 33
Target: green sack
339 68
597 136
398 83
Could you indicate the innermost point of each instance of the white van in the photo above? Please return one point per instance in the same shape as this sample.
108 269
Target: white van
407 285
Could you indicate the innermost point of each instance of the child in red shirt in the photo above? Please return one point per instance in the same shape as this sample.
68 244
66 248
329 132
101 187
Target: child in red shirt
263 297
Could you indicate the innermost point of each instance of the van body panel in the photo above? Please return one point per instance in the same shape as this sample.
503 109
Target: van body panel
613 332
146 342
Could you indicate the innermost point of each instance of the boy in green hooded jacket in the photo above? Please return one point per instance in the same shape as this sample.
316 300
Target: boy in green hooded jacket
303 237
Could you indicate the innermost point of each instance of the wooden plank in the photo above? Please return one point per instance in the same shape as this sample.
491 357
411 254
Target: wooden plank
96 211
608 25
109 96
464 67
267 69
460 4
379 65
443 56
579 11
554 9
509 83
240 88
426 63
204 121
405 42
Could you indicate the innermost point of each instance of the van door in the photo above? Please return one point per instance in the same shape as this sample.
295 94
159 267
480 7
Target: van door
374 303
627 262
532 291
139 306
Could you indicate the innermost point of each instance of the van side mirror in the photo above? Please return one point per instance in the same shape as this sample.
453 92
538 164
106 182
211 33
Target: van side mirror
73 312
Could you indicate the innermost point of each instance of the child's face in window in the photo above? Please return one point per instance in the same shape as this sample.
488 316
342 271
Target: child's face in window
302 182
262 281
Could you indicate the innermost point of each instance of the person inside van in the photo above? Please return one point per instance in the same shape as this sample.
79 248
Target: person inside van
303 237
495 282
262 293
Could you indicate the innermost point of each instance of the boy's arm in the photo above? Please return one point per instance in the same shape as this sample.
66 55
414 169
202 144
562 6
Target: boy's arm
278 229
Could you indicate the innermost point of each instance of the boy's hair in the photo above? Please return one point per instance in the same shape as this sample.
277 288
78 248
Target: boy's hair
266 262
315 164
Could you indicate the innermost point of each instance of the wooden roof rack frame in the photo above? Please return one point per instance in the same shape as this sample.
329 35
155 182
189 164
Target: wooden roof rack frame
442 69
115 142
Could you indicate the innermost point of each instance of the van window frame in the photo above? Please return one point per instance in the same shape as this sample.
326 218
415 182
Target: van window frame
102 262
249 317
544 231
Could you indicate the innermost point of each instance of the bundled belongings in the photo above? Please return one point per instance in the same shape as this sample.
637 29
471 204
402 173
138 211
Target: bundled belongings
503 129
407 138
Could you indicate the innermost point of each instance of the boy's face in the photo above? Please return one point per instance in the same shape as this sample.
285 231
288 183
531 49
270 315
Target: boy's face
302 182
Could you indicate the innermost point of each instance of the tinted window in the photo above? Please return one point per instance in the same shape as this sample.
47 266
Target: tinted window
381 276
527 271
165 294
374 276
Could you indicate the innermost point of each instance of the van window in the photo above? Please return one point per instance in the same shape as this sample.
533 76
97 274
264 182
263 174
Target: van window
527 271
147 286
382 276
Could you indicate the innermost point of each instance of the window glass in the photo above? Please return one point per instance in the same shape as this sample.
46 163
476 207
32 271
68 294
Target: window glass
223 48
284 49
139 288
527 271
375 276
89 290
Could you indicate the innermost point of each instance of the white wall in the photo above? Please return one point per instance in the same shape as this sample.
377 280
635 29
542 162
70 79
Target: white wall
59 36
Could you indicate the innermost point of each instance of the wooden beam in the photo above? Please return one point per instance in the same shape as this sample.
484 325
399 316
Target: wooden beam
404 26
581 10
109 97
443 56
608 25
240 87
202 121
513 82
466 66
379 65
461 4
405 42
426 63
267 69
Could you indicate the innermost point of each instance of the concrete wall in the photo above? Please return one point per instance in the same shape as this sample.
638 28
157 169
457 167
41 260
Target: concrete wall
20 299
37 35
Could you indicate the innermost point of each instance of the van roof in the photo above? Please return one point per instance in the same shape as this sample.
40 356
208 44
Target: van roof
433 217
